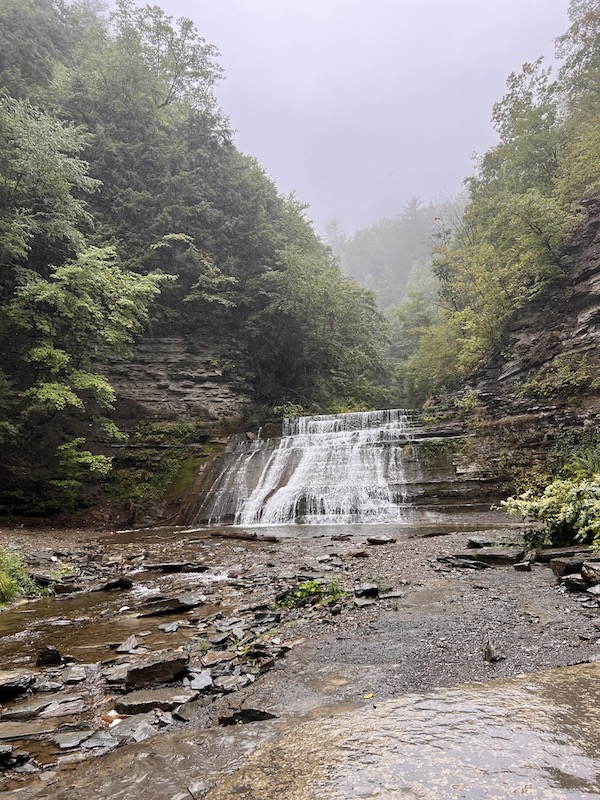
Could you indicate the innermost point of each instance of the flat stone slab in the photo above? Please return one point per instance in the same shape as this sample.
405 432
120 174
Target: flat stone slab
28 709
68 741
64 706
159 606
166 699
26 730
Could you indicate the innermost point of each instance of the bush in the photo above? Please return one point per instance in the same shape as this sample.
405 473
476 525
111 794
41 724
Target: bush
569 509
14 577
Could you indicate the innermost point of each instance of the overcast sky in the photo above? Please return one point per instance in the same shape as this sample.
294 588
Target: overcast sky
359 105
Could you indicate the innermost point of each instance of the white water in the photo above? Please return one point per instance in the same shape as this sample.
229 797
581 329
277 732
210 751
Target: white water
332 469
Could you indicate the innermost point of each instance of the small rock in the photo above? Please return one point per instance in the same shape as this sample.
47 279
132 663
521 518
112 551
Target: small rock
128 645
48 657
200 680
476 542
232 683
491 653
523 566
14 682
68 741
356 554
590 571
216 657
75 674
366 590
197 790
143 731
119 582
100 740
376 540
47 686
574 583
169 627
362 602
566 565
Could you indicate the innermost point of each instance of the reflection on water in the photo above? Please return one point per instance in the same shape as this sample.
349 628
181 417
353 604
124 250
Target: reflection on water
531 737
534 737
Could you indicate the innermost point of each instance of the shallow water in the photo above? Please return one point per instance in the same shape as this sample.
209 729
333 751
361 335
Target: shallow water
535 736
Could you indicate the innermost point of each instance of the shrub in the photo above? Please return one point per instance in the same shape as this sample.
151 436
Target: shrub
569 509
14 577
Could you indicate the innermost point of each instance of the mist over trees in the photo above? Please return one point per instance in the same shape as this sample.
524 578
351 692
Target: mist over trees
523 199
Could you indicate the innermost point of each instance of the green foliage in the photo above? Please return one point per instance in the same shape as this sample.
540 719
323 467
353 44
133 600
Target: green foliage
566 377
14 577
524 198
312 592
569 510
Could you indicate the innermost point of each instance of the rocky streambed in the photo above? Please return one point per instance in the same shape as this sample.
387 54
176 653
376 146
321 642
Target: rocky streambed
151 636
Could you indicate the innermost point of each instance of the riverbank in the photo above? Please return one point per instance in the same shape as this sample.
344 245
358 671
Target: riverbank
418 613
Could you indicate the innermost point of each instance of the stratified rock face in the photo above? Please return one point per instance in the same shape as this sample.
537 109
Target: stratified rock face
563 322
165 379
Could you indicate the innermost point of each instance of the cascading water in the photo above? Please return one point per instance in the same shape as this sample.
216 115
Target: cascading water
338 468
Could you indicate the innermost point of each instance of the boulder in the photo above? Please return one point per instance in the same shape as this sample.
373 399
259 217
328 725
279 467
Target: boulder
160 667
48 657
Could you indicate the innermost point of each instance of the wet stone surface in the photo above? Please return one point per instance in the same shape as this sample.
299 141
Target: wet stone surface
409 615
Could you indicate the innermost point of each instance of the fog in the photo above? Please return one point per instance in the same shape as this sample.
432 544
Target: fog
359 105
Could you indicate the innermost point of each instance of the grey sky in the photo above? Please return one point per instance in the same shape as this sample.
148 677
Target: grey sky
358 105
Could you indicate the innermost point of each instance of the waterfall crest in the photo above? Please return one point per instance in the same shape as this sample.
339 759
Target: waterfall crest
329 469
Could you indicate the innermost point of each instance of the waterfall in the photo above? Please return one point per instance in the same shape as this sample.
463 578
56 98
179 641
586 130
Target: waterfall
335 468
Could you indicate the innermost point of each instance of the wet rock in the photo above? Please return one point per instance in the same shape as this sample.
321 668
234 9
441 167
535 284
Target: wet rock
64 706
376 540
74 674
250 536
574 583
14 682
159 606
26 730
169 627
160 667
246 715
100 740
119 582
523 566
71 739
131 643
200 680
48 657
47 686
232 683
590 572
476 542
217 657
177 566
26 710
166 698
366 590
566 565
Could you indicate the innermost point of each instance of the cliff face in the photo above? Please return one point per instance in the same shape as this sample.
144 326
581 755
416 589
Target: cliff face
554 337
168 380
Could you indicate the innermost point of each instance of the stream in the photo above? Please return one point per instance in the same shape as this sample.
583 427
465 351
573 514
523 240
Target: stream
348 719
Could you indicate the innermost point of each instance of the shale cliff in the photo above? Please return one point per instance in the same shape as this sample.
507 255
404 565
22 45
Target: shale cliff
538 394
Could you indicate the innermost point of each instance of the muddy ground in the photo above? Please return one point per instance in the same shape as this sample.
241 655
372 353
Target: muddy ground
443 623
